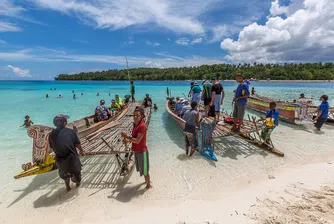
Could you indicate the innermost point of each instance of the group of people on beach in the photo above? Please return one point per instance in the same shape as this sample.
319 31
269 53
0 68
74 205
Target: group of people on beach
65 142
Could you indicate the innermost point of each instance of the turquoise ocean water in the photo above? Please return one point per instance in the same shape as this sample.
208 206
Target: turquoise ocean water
18 99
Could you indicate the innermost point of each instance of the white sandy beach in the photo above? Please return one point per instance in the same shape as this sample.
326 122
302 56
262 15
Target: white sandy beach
236 189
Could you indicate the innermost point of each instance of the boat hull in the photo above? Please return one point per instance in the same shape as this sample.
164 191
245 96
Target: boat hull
287 112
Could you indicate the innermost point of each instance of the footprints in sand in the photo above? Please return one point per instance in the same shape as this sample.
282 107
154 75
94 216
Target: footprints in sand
298 205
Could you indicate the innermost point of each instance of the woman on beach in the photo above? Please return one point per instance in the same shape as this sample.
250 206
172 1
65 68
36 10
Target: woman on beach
139 146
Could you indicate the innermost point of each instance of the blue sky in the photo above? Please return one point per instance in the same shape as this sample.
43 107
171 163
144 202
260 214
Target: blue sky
41 38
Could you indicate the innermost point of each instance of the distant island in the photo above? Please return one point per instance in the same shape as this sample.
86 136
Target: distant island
306 71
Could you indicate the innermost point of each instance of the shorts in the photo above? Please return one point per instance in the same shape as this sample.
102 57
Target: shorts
217 103
239 111
142 163
70 168
191 140
196 97
207 101
320 122
266 132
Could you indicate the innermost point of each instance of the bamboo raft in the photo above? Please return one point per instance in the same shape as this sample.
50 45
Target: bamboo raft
251 129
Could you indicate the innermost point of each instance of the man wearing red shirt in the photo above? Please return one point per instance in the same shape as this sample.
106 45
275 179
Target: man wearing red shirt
139 147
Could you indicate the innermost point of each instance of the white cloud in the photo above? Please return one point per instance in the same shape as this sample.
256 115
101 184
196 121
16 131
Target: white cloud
175 15
222 31
7 8
154 44
23 73
8 27
160 60
197 41
169 39
153 64
303 34
185 41
3 42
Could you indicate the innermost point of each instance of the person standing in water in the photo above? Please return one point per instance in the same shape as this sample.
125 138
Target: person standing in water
240 102
132 91
207 96
65 142
139 146
322 113
217 99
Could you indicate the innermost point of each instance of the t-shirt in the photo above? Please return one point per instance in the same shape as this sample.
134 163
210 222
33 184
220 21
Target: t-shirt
190 118
196 89
63 142
274 115
132 88
141 146
218 88
324 107
207 90
114 106
119 101
185 109
241 91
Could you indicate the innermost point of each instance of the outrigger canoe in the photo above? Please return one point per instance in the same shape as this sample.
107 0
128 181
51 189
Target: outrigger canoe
289 112
251 130
43 159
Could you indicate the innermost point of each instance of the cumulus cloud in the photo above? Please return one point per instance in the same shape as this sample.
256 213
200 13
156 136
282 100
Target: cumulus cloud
185 41
8 27
298 35
153 64
175 15
23 73
222 31
154 44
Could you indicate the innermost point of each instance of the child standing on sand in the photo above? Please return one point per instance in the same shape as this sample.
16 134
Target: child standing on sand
271 122
27 122
322 111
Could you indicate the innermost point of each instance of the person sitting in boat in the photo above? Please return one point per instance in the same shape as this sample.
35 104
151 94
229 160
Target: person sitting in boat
65 142
127 99
119 100
27 122
185 108
271 120
101 112
196 92
192 120
179 106
147 102
322 112
114 107
253 91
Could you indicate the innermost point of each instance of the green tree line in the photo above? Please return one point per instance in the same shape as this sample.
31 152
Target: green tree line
306 71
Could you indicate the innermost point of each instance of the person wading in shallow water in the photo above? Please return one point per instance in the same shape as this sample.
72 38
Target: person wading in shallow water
65 142
139 146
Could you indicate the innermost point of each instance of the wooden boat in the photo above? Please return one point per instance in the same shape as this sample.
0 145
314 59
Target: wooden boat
43 157
289 112
251 130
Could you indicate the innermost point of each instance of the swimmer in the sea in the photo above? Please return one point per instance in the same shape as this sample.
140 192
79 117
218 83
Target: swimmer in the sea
27 122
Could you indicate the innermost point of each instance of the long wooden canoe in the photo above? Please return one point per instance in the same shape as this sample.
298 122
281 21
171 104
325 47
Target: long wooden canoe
289 112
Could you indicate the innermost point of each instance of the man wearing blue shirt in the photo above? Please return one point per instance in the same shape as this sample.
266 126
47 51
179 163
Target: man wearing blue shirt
271 122
322 113
240 102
